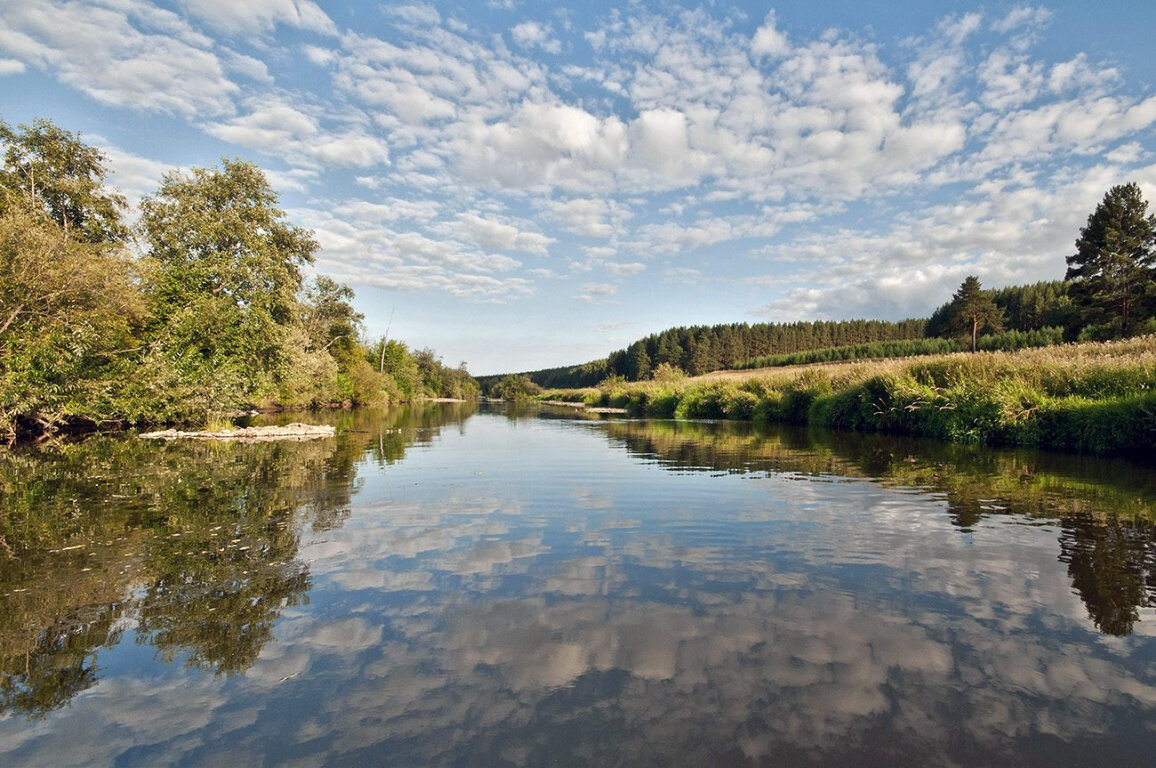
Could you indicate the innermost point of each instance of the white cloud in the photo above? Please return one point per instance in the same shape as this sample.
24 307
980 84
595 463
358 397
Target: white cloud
591 217
596 291
532 34
126 54
260 15
1025 16
956 29
768 40
453 142
1010 80
624 269
1005 234
286 131
132 175
489 233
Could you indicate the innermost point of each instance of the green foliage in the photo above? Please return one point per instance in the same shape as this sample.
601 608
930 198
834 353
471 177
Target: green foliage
213 318
51 170
666 373
68 312
1025 308
571 376
1113 272
392 358
1034 307
702 349
514 388
223 257
971 311
1009 341
329 320
1093 398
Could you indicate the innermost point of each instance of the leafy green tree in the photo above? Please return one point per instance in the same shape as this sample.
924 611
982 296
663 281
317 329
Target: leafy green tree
515 387
665 373
54 171
69 297
392 358
226 272
330 319
972 310
1113 271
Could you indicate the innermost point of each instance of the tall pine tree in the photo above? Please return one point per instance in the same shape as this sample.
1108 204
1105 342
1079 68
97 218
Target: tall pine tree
1112 272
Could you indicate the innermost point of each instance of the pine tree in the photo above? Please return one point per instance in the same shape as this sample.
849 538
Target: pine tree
972 309
1114 268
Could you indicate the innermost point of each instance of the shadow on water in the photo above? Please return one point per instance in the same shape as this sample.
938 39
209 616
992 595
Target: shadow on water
190 546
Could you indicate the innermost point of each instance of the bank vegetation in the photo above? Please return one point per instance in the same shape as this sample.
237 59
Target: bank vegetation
1096 397
200 308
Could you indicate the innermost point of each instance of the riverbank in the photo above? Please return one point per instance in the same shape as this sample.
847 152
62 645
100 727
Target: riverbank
1091 398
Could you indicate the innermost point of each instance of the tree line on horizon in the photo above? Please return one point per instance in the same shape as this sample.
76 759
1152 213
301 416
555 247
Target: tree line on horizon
212 313
1108 292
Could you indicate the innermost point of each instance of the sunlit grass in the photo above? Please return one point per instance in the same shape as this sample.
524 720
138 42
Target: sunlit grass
1097 397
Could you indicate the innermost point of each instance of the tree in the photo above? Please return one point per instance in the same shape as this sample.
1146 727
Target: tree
971 309
1112 272
515 387
69 297
330 319
226 271
55 172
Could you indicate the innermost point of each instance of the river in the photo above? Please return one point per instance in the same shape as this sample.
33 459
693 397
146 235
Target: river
442 585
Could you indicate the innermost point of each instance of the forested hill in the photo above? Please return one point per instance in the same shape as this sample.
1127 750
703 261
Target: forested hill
701 349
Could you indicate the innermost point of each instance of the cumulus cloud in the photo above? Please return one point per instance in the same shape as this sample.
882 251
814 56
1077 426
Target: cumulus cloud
368 244
591 216
595 291
260 15
1025 16
768 40
466 139
532 34
286 131
127 54
489 233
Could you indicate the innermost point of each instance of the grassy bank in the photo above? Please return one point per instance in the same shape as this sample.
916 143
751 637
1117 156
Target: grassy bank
1096 397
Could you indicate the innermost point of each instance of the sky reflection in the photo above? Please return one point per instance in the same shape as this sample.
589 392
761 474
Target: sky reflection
514 593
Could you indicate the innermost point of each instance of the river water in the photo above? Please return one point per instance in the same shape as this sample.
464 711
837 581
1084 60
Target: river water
441 586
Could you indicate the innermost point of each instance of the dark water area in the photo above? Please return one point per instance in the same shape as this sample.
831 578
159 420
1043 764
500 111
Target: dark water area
445 586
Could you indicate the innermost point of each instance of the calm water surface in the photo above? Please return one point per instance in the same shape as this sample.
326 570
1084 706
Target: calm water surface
439 586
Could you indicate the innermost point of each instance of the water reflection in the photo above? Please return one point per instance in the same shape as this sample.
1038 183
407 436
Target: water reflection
1106 509
520 591
194 546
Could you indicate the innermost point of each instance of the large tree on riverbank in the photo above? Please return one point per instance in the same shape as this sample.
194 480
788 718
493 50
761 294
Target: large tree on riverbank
225 273
69 302
51 170
1113 272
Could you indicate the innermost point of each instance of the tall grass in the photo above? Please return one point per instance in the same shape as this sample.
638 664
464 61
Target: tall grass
1093 397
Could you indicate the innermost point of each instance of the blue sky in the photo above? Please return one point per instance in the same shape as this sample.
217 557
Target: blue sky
527 184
